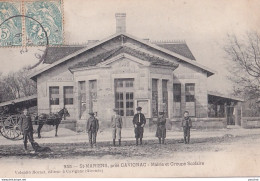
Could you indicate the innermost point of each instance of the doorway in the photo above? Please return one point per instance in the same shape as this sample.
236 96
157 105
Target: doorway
124 99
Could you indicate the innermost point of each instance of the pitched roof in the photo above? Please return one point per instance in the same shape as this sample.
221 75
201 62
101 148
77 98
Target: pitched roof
154 60
180 57
218 94
57 53
177 47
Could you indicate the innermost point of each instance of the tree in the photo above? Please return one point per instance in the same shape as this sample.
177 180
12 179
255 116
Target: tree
27 86
16 85
244 54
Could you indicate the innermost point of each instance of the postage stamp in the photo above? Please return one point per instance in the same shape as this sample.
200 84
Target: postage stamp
49 15
11 28
27 23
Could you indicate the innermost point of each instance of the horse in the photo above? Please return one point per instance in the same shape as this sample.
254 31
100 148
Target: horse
53 119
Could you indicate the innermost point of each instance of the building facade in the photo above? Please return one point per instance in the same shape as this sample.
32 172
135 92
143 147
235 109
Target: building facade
123 72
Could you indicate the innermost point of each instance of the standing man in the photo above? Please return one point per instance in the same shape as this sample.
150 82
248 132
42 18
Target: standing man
161 128
92 129
26 127
139 122
186 124
116 124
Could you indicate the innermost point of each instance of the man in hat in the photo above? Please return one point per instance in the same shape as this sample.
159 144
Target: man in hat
139 122
92 129
186 124
161 128
116 124
25 123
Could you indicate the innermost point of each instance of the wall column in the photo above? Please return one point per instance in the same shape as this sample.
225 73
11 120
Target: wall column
170 98
160 98
87 98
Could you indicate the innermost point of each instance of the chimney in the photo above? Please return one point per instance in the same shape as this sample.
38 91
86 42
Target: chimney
120 22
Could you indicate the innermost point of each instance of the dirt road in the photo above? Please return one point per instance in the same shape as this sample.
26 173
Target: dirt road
150 148
223 156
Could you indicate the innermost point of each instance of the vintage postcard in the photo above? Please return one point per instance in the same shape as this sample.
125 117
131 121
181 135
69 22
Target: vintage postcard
113 88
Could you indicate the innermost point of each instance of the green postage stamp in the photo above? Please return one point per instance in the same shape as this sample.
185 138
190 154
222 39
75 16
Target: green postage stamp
10 30
49 14
27 23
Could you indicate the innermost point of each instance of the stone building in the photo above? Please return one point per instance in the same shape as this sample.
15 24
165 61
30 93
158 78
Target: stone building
124 72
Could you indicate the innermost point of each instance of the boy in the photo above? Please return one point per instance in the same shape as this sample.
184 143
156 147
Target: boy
26 127
186 124
161 128
116 124
139 122
92 129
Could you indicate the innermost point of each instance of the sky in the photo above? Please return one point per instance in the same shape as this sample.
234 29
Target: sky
203 24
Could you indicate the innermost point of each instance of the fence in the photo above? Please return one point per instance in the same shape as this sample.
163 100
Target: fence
251 122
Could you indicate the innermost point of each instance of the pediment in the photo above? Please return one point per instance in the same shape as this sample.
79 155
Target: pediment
123 60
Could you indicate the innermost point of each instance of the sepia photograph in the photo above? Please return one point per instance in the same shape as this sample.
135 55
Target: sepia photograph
129 89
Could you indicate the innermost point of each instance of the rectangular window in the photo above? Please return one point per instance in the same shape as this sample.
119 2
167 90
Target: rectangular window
120 102
177 92
189 92
190 98
129 83
176 100
165 97
68 95
54 95
129 103
155 97
93 95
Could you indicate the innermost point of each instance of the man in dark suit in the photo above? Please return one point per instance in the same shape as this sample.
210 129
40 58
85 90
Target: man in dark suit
92 129
26 127
139 123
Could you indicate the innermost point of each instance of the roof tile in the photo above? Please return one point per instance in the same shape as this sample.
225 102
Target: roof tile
179 48
124 49
56 53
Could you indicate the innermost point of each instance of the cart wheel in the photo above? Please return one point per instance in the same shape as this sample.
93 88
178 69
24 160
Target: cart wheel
10 128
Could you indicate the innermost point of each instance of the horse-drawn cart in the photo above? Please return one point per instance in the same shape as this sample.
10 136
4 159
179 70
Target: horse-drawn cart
11 111
9 126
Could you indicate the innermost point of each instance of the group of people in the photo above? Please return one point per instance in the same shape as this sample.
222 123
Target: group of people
139 122
92 127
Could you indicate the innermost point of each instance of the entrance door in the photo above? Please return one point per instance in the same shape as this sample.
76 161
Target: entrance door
54 94
82 100
124 99
230 116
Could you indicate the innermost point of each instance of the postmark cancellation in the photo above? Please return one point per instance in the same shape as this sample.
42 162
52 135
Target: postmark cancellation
26 23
